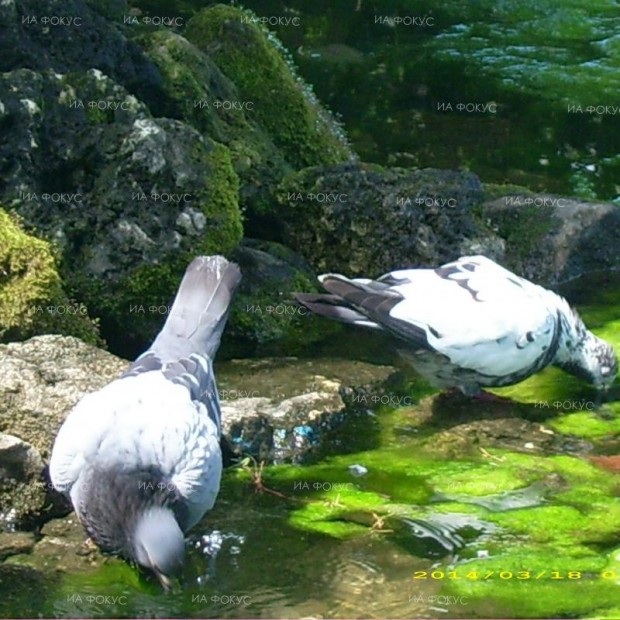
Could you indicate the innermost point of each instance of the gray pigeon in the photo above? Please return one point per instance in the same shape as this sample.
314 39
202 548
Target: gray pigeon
469 324
140 459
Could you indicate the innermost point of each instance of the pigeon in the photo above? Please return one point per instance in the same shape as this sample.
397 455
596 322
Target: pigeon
469 324
140 458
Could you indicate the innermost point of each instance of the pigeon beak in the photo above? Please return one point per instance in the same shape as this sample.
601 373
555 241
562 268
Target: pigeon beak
164 580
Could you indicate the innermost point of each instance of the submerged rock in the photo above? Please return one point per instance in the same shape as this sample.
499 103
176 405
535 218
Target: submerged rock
15 543
279 409
64 546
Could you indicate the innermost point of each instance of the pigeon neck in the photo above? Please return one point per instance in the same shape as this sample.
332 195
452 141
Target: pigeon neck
158 543
573 332
573 353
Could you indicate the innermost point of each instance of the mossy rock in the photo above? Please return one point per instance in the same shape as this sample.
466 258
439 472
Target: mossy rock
145 293
133 305
32 300
200 94
363 220
252 57
551 238
264 320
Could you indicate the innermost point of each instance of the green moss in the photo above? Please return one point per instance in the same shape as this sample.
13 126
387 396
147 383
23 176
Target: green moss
191 82
32 300
524 228
479 480
585 424
282 103
220 204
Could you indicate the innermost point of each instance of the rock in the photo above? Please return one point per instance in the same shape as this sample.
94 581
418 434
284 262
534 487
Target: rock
43 378
553 238
115 188
263 318
510 425
64 546
95 39
14 543
509 433
277 409
199 93
32 300
22 487
359 219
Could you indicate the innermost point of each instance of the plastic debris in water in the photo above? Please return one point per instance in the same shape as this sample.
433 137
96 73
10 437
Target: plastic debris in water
358 470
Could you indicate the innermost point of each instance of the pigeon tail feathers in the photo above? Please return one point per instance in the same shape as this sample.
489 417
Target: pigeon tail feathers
200 309
333 307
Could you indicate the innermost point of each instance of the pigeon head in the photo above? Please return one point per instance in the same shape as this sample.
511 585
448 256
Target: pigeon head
605 363
592 360
134 514
583 354
158 543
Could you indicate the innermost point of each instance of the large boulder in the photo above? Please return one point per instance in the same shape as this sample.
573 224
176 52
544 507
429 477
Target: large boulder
283 105
361 219
554 238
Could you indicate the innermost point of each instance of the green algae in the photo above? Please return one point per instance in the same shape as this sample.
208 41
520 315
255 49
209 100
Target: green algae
556 550
536 583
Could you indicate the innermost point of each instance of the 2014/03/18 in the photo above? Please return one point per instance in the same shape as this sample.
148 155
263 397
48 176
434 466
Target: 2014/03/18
473 575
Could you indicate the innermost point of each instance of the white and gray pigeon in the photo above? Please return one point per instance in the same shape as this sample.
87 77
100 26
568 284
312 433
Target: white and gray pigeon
469 324
140 459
